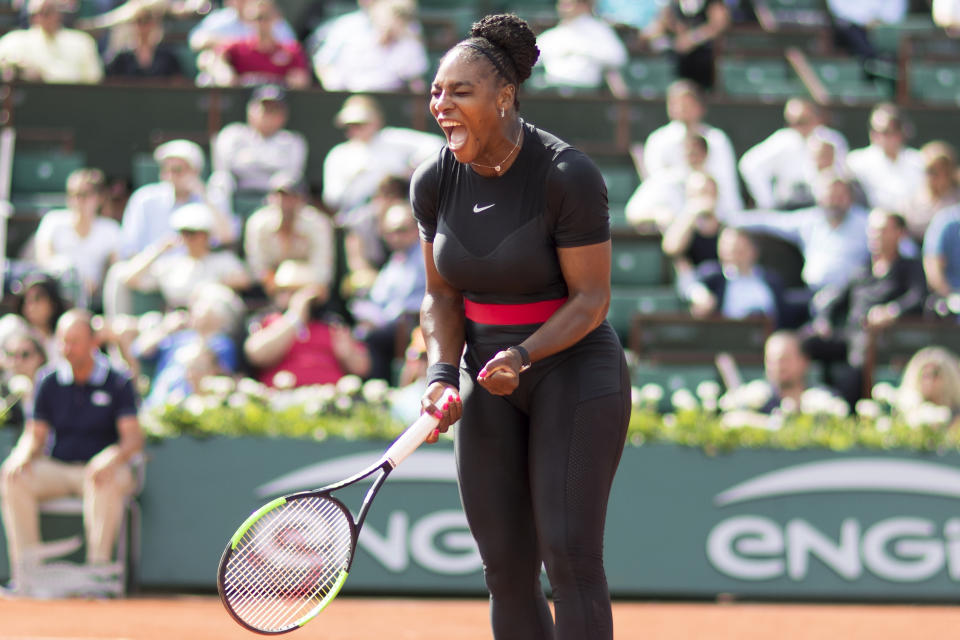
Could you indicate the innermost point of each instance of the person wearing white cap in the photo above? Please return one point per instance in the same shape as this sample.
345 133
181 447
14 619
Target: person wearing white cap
176 275
353 169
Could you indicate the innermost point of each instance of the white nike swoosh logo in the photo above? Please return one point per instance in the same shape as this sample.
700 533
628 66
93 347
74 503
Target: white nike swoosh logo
477 208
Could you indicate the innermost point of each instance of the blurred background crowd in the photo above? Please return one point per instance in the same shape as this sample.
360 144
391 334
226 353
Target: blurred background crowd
227 256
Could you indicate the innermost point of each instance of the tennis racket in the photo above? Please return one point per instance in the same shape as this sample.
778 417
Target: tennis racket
290 558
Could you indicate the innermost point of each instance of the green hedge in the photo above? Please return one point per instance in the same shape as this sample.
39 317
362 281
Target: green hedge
355 410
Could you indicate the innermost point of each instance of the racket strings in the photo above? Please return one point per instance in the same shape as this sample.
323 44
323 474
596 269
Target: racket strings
288 563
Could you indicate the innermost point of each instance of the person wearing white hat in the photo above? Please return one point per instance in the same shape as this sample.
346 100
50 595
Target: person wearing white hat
176 275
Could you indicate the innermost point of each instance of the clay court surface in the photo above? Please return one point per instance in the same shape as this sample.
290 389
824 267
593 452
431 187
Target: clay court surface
201 617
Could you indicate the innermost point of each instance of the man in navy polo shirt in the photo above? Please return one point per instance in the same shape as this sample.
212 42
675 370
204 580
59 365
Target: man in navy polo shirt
90 410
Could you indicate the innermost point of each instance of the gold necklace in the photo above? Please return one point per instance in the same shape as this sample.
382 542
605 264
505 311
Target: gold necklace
497 167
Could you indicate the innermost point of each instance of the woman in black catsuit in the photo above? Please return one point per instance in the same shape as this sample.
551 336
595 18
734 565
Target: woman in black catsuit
516 240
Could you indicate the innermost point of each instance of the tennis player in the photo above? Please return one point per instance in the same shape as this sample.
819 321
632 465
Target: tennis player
516 239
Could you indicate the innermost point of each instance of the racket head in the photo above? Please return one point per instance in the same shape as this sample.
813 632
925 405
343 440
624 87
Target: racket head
287 562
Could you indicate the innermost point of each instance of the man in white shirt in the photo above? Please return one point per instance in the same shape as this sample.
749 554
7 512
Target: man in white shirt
665 147
779 171
582 50
47 52
252 152
889 171
353 169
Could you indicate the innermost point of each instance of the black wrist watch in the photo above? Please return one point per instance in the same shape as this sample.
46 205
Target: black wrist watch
524 357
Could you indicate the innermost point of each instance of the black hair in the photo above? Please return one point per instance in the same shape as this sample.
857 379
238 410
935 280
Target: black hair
51 287
508 44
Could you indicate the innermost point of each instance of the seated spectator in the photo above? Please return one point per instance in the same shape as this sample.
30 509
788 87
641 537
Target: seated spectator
49 52
411 381
735 286
889 287
78 237
779 171
941 261
582 51
932 376
299 337
289 229
352 170
690 239
41 304
852 20
785 367
89 412
137 49
228 23
394 299
889 171
940 190
665 146
363 243
831 236
251 152
661 195
183 339
378 48
176 275
688 30
260 58
23 356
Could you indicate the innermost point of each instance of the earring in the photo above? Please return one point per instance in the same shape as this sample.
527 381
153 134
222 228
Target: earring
502 112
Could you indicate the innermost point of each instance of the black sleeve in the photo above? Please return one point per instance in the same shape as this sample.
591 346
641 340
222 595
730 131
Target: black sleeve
577 201
425 197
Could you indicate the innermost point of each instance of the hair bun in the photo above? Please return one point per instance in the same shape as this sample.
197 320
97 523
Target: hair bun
513 35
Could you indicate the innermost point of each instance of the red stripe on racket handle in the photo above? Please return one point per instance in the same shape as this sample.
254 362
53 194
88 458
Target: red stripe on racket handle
415 434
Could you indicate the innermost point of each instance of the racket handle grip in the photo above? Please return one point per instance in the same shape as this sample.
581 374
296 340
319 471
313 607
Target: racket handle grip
412 437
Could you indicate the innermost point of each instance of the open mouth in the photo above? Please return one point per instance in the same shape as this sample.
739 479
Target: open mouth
456 134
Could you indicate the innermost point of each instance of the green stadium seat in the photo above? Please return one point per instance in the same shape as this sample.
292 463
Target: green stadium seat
649 77
621 181
245 203
144 169
934 82
845 81
682 339
626 302
39 178
805 12
768 79
144 301
637 261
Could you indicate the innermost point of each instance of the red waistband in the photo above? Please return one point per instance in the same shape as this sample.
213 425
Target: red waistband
530 313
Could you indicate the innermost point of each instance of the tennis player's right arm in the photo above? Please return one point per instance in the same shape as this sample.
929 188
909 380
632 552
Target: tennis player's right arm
442 323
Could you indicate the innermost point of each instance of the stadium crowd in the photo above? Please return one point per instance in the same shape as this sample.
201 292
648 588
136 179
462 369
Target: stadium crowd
313 286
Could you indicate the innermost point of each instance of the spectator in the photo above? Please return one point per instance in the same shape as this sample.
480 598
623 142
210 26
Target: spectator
582 51
780 171
250 153
228 23
889 172
23 356
662 194
176 275
363 243
940 190
146 218
137 49
412 380
78 237
831 235
299 338
260 58
690 239
49 52
889 287
941 260
665 147
353 169
946 15
735 286
852 20
394 300
41 304
183 339
377 48
289 229
90 411
785 367
932 376
688 28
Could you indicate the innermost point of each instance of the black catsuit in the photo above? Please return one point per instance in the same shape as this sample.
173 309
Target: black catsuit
535 467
